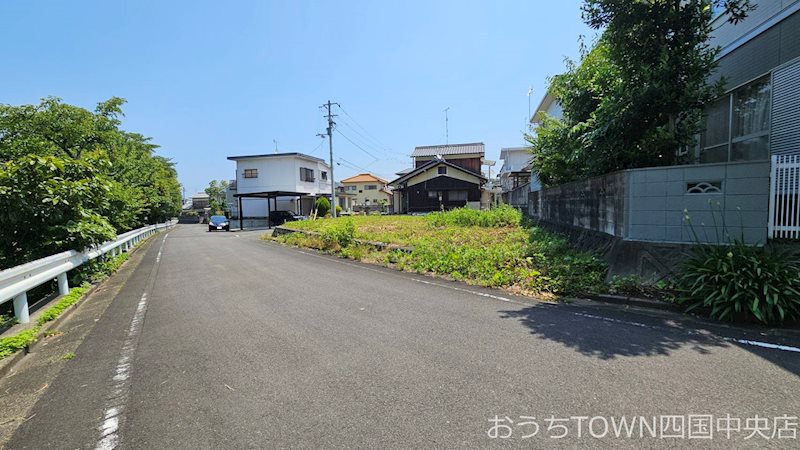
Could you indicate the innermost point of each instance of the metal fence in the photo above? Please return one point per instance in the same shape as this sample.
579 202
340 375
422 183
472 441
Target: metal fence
784 204
17 281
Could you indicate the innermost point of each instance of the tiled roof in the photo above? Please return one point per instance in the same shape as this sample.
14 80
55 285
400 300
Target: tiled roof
364 178
452 149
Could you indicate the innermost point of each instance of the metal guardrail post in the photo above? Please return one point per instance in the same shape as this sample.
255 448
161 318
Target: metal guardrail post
21 308
63 284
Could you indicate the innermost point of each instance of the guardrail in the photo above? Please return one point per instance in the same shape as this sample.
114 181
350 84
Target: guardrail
17 281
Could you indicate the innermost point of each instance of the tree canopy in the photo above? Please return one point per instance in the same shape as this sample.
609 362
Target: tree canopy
70 178
638 95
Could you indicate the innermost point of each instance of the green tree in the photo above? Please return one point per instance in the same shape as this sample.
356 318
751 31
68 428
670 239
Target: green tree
637 97
91 176
50 204
216 191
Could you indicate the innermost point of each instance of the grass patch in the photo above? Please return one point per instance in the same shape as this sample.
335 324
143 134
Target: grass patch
100 269
12 344
67 356
66 301
487 248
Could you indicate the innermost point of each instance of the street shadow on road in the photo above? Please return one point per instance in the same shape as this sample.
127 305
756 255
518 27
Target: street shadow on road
606 337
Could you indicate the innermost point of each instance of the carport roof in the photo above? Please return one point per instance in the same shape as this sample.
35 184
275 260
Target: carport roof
272 194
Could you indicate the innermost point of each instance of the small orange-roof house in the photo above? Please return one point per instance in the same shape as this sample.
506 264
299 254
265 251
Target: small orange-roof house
371 192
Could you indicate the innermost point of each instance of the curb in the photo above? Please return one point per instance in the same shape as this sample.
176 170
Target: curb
8 363
635 301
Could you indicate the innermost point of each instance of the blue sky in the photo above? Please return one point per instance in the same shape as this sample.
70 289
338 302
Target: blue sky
210 79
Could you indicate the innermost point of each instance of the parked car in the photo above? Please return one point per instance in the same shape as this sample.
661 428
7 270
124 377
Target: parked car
281 217
216 223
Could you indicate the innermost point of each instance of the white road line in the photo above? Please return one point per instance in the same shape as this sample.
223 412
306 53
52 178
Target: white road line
115 403
769 345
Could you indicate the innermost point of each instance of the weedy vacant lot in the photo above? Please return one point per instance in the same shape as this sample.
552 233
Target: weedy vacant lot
487 248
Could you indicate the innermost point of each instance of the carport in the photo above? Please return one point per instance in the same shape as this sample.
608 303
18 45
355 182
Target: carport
271 196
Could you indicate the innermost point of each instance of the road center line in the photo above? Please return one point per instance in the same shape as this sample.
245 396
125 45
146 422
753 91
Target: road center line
115 403
769 345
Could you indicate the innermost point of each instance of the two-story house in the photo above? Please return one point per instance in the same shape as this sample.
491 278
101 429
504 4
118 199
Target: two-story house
516 169
443 177
370 192
278 181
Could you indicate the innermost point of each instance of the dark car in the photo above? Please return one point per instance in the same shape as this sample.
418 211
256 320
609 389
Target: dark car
219 223
281 217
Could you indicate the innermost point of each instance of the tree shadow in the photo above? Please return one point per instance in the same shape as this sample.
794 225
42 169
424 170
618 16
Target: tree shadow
608 336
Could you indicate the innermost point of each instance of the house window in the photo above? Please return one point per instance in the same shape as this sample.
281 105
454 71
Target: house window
457 196
251 173
737 125
371 187
351 188
434 195
750 134
323 175
442 170
306 174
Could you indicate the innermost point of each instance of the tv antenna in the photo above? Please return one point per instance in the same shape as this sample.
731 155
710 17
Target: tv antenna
446 130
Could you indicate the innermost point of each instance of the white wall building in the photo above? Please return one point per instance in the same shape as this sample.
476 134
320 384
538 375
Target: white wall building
296 178
516 168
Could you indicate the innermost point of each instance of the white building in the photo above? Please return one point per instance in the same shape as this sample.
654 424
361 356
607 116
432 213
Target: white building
278 181
516 169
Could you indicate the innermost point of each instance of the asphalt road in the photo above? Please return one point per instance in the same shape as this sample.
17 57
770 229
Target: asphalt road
219 340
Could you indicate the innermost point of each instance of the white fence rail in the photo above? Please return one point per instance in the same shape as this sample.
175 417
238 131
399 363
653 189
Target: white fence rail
17 281
784 204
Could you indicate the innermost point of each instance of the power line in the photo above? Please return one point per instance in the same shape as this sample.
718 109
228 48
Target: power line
381 146
358 146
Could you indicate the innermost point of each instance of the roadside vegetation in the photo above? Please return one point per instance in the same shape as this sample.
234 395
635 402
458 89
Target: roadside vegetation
95 272
486 248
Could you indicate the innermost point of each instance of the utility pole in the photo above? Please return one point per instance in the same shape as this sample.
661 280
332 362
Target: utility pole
446 129
331 123
276 145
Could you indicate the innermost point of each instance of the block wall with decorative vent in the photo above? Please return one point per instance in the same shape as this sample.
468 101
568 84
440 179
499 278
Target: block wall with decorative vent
722 202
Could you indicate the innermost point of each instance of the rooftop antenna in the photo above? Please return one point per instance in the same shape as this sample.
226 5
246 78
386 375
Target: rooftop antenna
530 91
276 145
446 130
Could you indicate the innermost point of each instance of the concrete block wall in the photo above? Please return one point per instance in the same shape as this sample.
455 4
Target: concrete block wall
723 201
596 204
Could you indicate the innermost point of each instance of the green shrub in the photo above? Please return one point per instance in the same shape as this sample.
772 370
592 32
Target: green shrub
501 216
338 233
740 282
561 268
11 344
323 207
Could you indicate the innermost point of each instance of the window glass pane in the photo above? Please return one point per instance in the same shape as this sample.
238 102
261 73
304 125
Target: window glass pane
714 154
433 194
717 123
751 149
751 106
457 196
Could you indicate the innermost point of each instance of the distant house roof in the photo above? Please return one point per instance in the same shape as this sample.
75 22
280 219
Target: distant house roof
430 164
200 195
451 149
404 171
364 178
277 155
504 151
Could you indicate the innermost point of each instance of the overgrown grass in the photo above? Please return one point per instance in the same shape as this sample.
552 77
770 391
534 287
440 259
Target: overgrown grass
487 248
